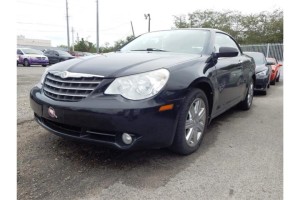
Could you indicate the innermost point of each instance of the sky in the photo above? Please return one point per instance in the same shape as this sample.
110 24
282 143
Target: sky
44 19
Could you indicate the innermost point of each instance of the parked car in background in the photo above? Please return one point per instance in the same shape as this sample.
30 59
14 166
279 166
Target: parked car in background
27 57
80 54
87 54
56 56
160 90
275 76
262 70
76 53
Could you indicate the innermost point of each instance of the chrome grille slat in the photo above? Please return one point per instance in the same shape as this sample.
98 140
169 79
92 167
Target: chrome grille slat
63 94
70 88
64 81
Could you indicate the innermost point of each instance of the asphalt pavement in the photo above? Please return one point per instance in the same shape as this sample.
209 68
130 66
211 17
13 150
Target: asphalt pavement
241 157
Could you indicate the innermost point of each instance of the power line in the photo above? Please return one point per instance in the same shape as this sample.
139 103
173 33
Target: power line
38 4
40 24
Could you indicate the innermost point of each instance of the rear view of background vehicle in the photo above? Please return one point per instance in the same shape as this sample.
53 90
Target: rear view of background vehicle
56 56
263 72
275 76
27 57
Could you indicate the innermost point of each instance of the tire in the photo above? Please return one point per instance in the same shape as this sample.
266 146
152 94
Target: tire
278 78
273 81
44 65
26 63
186 140
247 102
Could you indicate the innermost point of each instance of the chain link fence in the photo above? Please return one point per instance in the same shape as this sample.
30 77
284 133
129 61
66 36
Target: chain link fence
274 50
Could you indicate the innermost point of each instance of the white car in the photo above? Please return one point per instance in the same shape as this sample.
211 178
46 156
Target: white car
27 57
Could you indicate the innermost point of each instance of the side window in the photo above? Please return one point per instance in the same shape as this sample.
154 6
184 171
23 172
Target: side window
19 52
55 53
223 40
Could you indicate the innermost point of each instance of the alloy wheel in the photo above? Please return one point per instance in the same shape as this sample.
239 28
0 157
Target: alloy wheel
195 122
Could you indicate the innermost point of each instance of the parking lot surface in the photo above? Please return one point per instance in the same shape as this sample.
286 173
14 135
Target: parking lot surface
241 157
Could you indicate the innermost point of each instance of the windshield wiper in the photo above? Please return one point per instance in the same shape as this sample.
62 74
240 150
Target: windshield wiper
149 49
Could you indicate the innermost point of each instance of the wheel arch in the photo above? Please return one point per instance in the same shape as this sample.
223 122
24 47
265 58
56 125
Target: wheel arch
207 87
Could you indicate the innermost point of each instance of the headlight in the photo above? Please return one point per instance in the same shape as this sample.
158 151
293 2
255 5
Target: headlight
139 86
262 73
44 76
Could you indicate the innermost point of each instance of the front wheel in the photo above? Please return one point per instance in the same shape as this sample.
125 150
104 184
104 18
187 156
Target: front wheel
192 122
26 63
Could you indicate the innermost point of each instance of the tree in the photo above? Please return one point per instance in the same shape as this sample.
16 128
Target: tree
85 46
264 27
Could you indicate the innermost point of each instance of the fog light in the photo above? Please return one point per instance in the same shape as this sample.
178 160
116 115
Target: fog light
127 139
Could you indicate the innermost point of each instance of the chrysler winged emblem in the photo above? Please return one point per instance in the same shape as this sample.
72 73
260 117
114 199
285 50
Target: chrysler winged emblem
64 74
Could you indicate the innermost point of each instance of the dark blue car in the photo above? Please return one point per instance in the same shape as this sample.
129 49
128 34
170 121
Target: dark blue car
160 90
263 72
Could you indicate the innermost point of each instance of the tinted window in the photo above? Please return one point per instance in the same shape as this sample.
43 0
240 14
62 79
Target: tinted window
19 51
62 53
32 51
259 58
223 40
181 41
273 60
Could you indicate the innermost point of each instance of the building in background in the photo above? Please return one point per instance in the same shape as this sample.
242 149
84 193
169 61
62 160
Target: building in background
22 41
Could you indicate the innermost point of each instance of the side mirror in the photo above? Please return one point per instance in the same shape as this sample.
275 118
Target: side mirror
280 65
56 54
227 52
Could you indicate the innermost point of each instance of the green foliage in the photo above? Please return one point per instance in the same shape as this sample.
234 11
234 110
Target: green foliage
264 27
118 45
84 46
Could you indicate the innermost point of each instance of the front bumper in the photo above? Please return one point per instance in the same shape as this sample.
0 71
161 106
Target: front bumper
261 84
35 61
103 120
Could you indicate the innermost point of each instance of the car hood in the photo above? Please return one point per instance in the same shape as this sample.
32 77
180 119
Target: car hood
123 63
259 68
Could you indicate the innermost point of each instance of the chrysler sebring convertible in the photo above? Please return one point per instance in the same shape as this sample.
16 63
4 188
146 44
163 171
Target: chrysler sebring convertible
160 90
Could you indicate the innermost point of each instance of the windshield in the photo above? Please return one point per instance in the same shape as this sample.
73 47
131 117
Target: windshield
63 53
32 51
180 41
259 58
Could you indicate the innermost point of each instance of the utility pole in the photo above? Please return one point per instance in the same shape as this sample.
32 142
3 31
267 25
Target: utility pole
68 25
148 16
97 28
132 29
73 39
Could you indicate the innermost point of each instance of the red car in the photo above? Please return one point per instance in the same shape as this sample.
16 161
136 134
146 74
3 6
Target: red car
275 76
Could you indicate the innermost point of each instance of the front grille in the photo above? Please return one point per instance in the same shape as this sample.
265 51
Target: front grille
71 88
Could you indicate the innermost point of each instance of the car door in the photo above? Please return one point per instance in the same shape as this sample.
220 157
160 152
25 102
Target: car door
55 56
49 54
230 74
